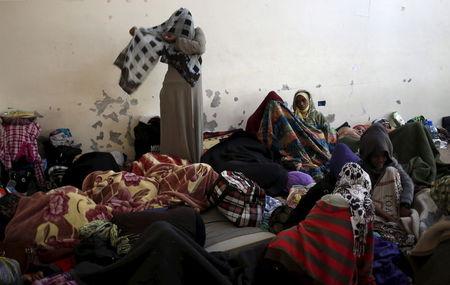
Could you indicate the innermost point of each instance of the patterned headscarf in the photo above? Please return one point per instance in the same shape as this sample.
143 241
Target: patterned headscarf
354 186
145 48
302 114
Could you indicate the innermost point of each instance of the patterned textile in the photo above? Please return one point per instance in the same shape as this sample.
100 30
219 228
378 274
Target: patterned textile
301 146
59 279
238 198
52 220
18 141
386 196
155 181
142 53
354 185
341 155
441 194
322 246
270 206
61 136
10 272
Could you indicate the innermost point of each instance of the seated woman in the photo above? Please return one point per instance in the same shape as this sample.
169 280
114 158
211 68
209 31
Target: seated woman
304 109
334 244
393 189
296 144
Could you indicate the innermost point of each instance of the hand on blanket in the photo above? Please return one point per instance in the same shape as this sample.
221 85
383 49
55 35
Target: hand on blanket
168 37
132 30
404 212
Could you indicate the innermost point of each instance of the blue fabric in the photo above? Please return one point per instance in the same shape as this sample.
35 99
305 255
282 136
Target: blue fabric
341 155
387 258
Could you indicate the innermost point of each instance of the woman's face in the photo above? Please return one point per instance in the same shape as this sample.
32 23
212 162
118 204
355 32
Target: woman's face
378 160
301 102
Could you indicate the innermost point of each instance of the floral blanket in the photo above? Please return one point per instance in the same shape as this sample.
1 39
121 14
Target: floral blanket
52 220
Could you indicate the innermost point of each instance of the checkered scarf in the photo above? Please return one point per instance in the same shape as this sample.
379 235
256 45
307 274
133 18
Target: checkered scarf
354 185
145 48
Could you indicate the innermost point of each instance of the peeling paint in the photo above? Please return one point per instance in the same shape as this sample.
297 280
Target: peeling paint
243 112
409 80
109 17
331 117
404 80
102 146
37 114
215 115
226 91
124 110
351 82
97 124
209 126
100 136
216 101
79 104
114 137
318 85
58 109
236 99
49 107
113 116
399 102
128 135
240 123
134 101
101 105
94 145
285 87
92 109
109 145
259 89
209 93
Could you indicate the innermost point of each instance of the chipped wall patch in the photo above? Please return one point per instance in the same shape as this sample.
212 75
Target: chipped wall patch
216 101
236 99
330 118
92 109
94 145
398 102
109 145
101 105
97 124
285 87
318 85
79 104
113 116
100 136
134 101
124 109
209 93
209 126
215 115
226 91
115 137
240 123
128 135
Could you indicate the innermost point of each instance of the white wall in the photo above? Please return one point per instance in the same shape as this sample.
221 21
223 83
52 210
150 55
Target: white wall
366 58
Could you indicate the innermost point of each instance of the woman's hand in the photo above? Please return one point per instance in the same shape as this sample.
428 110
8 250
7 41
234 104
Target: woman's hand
132 30
168 37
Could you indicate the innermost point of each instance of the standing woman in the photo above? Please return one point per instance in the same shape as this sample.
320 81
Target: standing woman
181 106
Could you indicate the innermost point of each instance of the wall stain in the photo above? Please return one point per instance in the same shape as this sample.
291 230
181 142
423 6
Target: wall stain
215 115
36 113
331 117
209 126
49 107
124 110
209 93
113 116
58 109
236 99
128 135
318 85
92 109
399 102
409 80
226 91
403 8
109 17
216 101
94 145
100 136
97 124
134 101
79 104
285 87
259 89
109 145
101 105
351 82
240 123
114 137
102 146
243 112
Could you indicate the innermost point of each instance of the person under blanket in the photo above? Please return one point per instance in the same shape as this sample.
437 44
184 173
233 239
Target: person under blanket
304 109
393 189
334 244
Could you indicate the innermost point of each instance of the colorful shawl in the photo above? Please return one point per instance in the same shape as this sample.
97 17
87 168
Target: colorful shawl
254 121
145 48
301 146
